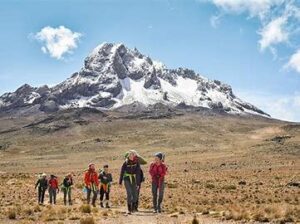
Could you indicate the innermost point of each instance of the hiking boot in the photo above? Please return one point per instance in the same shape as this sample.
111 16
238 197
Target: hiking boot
155 211
159 209
129 206
101 204
107 205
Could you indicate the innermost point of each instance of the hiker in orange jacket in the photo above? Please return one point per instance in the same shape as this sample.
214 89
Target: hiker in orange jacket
91 183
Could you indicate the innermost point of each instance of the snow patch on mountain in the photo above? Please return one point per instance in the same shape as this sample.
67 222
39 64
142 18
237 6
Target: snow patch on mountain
114 75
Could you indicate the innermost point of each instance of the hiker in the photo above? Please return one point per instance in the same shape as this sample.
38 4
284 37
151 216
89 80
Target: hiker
42 185
91 184
130 174
66 188
142 179
105 182
158 171
53 188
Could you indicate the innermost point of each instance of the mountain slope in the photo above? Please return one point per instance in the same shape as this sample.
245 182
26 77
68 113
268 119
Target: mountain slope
114 76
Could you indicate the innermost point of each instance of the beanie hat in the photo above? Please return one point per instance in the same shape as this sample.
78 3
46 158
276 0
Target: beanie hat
159 155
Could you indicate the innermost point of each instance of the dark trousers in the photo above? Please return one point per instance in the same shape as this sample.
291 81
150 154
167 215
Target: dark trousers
52 195
41 193
89 192
104 193
157 191
67 194
138 197
132 194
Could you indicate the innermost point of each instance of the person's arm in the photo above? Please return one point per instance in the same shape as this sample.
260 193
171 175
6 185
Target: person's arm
37 183
122 173
96 179
110 178
86 181
138 174
151 170
164 170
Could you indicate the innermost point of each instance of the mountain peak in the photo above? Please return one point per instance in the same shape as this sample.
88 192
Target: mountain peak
114 75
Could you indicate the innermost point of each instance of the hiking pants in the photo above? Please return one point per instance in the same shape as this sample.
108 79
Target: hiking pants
132 194
160 191
52 195
102 193
41 193
89 192
67 194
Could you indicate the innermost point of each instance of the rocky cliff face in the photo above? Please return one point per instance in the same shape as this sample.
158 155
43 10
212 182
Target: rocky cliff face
114 75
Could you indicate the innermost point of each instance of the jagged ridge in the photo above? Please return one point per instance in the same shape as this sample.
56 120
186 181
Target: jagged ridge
114 75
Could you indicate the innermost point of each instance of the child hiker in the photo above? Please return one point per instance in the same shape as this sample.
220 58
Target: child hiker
105 182
66 188
130 175
42 185
91 184
158 171
53 189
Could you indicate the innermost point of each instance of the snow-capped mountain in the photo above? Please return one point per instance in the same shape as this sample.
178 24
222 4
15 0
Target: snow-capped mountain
114 75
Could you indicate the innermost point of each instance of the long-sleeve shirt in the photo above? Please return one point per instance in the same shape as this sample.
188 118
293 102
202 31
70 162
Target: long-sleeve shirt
105 178
130 168
42 183
90 178
158 172
53 183
68 182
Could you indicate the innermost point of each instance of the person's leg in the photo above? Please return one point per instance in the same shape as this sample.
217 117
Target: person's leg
65 195
88 195
161 195
101 196
43 195
134 195
138 198
129 195
54 195
154 196
50 194
40 194
95 194
70 196
107 199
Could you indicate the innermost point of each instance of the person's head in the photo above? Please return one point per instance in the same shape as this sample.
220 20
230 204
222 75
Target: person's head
92 166
105 168
69 175
158 157
131 155
44 175
52 176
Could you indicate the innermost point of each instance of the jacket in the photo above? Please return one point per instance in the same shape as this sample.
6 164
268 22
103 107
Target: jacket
131 170
68 182
42 183
53 183
158 172
91 177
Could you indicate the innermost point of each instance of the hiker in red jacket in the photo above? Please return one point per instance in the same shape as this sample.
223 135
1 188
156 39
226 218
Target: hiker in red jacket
53 188
91 184
158 171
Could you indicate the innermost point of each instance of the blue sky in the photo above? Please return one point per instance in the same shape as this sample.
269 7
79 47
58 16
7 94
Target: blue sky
250 44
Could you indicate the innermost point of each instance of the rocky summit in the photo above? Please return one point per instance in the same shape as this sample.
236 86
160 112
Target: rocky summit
114 76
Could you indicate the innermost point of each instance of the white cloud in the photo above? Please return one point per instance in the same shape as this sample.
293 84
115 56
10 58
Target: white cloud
283 107
274 33
57 41
279 20
294 62
215 21
254 7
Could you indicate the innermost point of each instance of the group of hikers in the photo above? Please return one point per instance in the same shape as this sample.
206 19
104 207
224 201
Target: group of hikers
131 175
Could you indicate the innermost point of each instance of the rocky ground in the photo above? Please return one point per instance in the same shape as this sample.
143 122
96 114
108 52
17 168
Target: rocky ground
221 168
